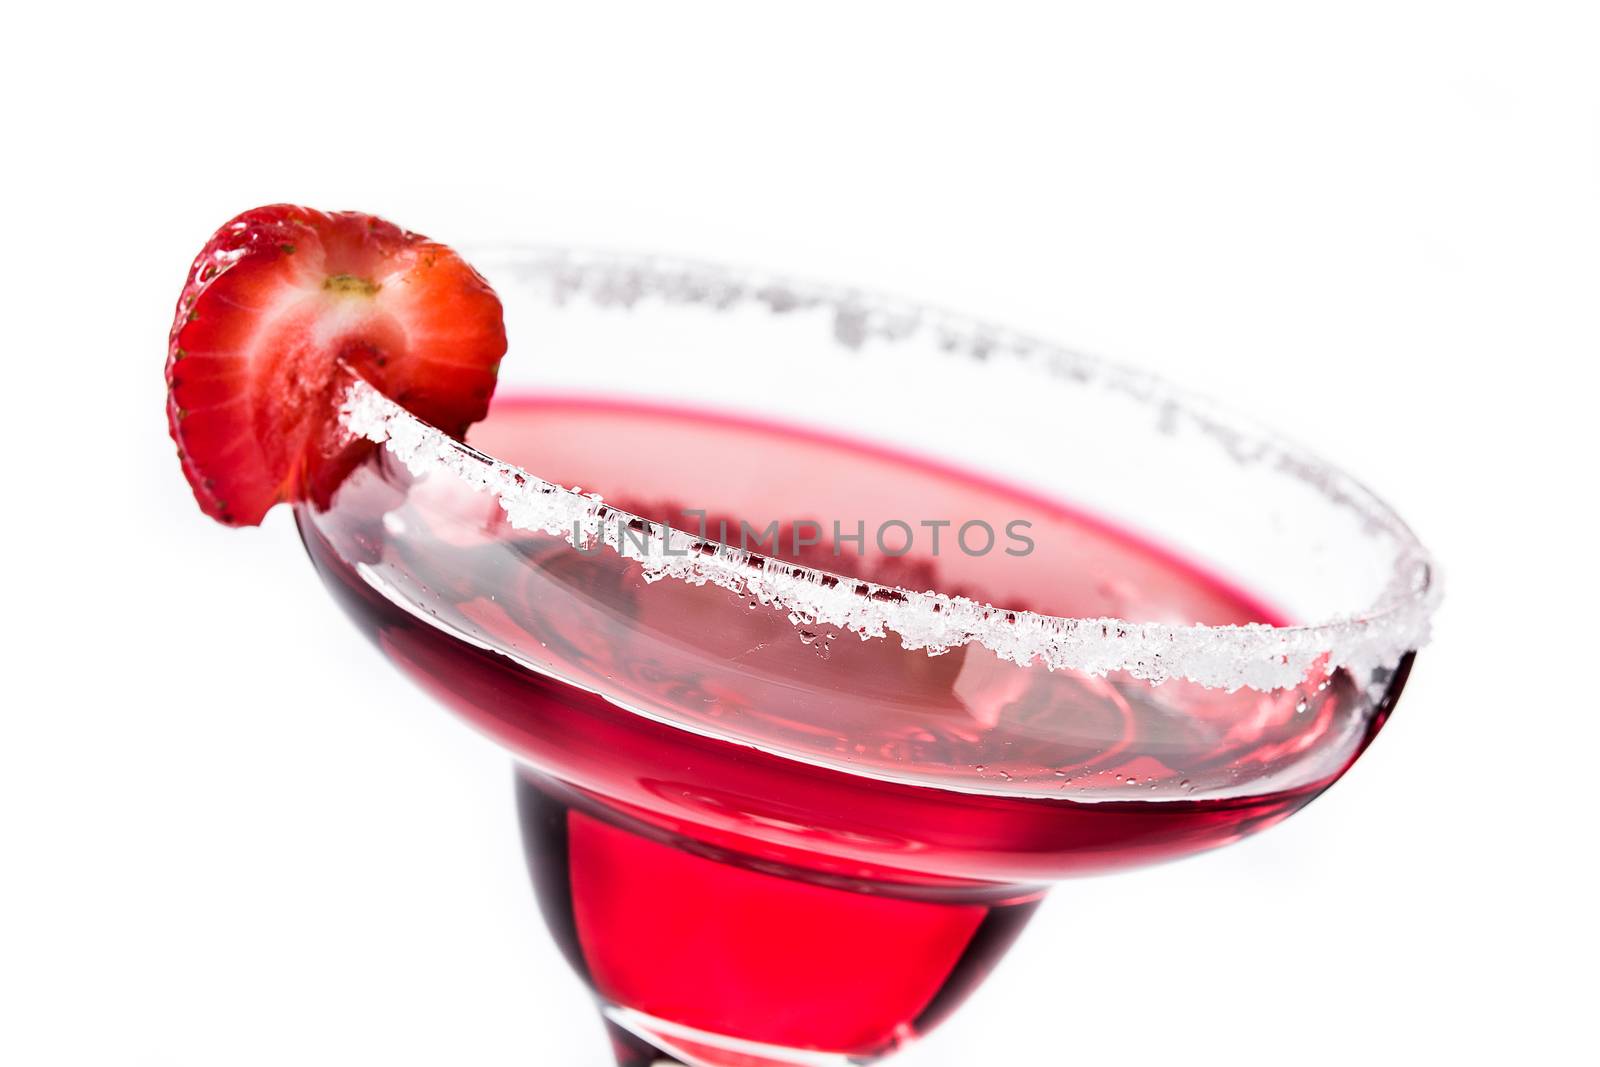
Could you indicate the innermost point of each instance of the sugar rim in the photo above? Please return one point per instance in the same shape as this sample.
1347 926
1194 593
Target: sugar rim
1255 656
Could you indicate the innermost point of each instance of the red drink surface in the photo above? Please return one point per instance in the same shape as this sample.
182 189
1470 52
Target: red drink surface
799 838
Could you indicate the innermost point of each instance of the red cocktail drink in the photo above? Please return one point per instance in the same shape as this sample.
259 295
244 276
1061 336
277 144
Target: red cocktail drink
748 834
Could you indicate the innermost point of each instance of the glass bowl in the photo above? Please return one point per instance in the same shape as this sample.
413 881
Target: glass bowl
828 631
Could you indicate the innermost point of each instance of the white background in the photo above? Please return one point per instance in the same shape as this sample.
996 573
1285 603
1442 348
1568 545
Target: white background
229 834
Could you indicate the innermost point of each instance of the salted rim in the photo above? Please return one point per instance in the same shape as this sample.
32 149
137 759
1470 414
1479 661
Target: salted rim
1256 656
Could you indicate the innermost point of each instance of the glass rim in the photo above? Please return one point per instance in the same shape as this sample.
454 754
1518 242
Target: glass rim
1258 656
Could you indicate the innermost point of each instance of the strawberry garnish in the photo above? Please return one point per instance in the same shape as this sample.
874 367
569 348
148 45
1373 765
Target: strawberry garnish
282 305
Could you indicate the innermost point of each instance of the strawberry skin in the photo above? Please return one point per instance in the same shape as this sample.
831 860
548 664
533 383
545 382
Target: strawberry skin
281 304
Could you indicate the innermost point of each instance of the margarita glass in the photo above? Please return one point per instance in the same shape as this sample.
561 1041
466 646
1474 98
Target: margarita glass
828 631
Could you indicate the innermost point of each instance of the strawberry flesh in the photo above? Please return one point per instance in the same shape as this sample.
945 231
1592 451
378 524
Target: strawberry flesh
282 304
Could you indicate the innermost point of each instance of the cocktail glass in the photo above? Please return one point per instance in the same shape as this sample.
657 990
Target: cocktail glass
792 774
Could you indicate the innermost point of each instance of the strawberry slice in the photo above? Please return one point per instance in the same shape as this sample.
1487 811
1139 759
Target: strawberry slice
281 305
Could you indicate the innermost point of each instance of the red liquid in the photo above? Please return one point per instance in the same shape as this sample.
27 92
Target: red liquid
843 886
